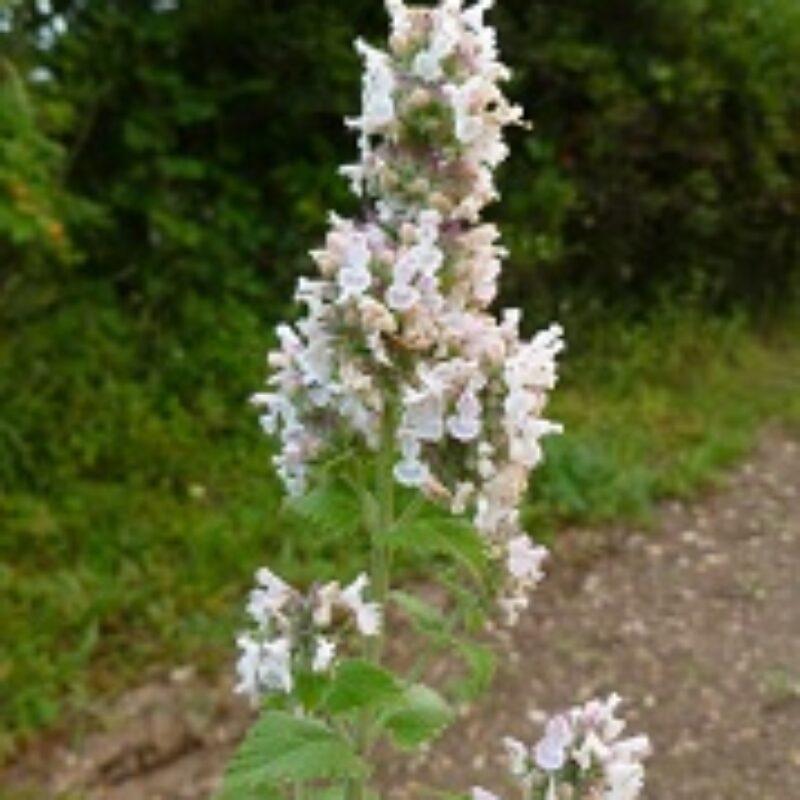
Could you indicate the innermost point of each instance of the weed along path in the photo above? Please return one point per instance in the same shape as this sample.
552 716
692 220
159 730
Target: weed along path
698 621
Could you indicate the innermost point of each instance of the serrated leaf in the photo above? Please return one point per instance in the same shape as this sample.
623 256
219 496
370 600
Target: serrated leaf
361 684
420 716
281 747
438 534
333 507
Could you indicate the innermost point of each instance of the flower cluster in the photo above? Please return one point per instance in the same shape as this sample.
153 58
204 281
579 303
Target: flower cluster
397 336
288 635
581 757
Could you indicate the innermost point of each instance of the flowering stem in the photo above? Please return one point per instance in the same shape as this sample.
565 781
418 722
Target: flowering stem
380 568
380 557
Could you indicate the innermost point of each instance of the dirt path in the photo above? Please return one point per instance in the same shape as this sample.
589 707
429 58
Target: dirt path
697 624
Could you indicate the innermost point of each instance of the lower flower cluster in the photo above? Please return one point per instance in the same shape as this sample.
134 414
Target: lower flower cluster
295 632
580 757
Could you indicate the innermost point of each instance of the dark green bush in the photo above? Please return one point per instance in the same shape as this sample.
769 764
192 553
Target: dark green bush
666 147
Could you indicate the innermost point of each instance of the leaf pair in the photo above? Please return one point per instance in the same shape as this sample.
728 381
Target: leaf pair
283 748
434 532
412 714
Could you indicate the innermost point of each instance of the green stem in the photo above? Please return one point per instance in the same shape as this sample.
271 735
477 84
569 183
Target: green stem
380 557
300 791
380 572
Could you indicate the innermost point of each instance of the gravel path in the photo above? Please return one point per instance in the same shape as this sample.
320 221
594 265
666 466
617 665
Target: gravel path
697 624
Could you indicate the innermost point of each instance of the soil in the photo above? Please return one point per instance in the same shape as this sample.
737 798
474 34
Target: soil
696 623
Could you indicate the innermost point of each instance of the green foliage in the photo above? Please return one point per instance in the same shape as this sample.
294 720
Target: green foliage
427 618
420 715
281 747
445 633
34 208
289 747
361 684
666 406
665 150
433 531
333 508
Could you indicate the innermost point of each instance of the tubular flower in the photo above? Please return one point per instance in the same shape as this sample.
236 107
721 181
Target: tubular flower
397 334
581 756
287 633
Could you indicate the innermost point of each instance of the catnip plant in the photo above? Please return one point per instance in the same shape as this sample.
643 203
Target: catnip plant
408 418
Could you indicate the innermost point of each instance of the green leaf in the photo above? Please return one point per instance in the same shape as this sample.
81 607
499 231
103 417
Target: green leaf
281 747
421 715
361 684
480 663
340 793
333 507
426 618
310 688
440 534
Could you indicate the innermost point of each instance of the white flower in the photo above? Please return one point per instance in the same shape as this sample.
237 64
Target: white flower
325 599
411 472
600 716
367 614
551 750
379 86
423 415
550 755
427 65
635 748
465 429
625 780
572 760
354 282
402 296
324 654
401 19
247 666
268 600
468 124
518 757
524 559
288 630
275 666
465 424
581 756
479 793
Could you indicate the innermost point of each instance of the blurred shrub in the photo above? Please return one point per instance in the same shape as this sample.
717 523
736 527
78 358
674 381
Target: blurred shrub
666 147
32 231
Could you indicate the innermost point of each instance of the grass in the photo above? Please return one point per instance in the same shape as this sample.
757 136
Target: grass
660 409
128 541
